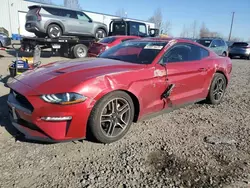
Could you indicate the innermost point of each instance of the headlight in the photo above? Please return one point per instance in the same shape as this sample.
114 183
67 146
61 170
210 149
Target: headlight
64 98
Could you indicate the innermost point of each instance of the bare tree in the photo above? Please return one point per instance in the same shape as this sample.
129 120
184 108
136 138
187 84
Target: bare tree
236 39
194 29
157 18
185 32
121 13
74 4
167 27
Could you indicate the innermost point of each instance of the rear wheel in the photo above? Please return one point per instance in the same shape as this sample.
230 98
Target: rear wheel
217 89
111 117
100 33
54 31
80 50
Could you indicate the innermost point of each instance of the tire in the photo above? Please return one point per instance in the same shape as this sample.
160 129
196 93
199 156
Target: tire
54 31
211 98
100 33
80 51
1 45
96 127
224 54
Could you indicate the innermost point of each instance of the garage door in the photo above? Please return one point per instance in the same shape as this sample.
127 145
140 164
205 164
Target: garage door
22 19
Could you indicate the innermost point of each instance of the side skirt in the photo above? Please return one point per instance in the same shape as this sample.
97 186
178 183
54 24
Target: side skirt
167 110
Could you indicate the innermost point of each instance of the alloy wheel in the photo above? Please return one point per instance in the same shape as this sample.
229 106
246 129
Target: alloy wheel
115 117
81 52
218 89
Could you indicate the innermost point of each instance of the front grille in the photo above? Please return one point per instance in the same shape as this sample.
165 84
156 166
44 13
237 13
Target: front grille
22 100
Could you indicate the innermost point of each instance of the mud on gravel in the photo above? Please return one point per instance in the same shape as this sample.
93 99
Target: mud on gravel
197 146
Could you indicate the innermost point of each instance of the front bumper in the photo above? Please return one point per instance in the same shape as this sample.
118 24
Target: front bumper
27 118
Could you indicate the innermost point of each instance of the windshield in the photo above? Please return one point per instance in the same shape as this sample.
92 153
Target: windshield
240 44
204 42
107 40
139 52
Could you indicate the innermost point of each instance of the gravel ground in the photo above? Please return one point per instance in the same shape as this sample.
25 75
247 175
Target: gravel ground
196 146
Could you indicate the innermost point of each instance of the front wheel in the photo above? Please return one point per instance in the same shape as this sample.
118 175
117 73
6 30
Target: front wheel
100 33
217 89
111 117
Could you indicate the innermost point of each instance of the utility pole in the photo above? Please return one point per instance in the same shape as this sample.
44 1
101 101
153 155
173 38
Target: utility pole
232 21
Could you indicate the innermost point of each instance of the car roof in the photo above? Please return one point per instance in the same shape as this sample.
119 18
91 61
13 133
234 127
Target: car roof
125 36
165 39
52 6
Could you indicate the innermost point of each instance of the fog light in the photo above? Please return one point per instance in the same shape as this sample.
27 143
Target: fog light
64 118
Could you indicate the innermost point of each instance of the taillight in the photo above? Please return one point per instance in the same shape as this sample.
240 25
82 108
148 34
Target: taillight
39 18
104 48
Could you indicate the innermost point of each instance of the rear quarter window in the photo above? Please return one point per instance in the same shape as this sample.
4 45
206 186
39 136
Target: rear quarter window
204 53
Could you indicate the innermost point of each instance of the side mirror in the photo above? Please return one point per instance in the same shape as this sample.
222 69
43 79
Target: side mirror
90 21
213 46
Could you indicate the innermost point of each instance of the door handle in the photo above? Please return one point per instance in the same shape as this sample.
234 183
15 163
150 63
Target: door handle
202 69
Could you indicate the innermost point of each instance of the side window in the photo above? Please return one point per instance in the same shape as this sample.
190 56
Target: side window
142 29
54 11
82 16
69 14
223 43
204 53
182 53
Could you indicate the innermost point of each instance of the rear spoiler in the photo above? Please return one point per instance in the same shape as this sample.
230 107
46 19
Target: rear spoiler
34 6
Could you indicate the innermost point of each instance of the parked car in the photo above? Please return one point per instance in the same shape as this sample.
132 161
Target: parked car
4 40
46 20
241 49
98 47
218 45
102 96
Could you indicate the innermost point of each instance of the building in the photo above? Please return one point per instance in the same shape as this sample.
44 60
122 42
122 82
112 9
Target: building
14 12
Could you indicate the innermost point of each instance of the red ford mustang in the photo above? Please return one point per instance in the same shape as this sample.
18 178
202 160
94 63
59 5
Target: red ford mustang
97 47
127 83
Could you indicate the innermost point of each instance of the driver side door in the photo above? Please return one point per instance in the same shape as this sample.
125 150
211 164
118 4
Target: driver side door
186 71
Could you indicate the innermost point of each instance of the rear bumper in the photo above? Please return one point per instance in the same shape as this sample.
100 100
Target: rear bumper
239 53
34 27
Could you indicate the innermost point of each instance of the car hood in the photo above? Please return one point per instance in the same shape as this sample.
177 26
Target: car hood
64 75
